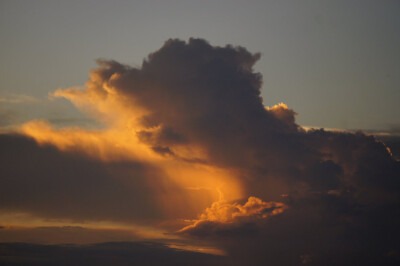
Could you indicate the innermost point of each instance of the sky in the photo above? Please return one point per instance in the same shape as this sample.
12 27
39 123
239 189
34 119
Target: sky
335 62
196 132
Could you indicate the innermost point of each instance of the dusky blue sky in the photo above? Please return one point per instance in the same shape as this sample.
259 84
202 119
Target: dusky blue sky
336 63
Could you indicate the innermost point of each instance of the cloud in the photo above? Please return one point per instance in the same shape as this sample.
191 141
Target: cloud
66 234
393 144
224 218
76 184
121 253
18 99
209 97
47 182
190 125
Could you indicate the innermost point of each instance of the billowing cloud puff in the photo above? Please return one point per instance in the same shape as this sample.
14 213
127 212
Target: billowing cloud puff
224 218
192 121
208 97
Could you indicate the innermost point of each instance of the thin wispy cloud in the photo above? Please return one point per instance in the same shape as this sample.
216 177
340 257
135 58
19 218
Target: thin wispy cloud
18 99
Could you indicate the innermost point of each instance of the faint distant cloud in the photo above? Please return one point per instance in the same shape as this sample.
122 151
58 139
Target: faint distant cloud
310 128
393 131
395 128
390 137
18 98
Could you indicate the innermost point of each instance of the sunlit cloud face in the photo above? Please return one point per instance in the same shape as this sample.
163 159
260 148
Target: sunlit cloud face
224 217
188 149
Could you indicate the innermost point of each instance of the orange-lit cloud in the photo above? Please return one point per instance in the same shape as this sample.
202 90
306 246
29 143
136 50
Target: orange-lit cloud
126 136
283 113
224 213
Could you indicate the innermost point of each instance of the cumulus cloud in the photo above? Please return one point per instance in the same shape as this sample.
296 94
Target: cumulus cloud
192 117
224 218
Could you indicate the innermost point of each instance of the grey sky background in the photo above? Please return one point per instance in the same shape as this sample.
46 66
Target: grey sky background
336 63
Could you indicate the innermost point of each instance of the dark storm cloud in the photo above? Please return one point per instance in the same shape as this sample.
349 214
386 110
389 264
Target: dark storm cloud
209 96
327 229
348 205
45 181
343 188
